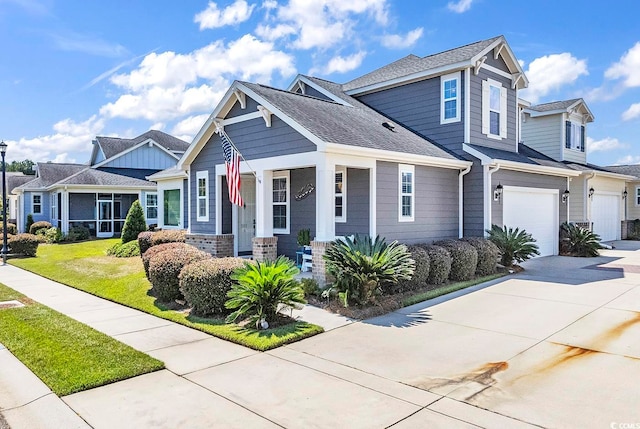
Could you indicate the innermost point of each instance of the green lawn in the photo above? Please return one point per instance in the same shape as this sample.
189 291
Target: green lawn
64 353
86 267
443 290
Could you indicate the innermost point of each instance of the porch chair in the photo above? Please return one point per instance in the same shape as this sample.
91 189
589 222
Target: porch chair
307 264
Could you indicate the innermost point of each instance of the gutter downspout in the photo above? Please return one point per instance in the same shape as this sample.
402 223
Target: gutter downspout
587 204
488 199
461 200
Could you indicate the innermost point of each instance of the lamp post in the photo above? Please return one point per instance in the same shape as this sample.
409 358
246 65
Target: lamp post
3 150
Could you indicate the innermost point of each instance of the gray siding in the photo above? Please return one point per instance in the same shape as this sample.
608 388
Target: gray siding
185 203
303 212
45 212
417 106
227 216
136 173
145 157
529 180
315 93
544 134
473 216
357 204
82 206
499 63
236 110
475 116
436 204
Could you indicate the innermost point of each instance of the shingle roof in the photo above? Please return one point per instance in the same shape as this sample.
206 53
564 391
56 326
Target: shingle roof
588 167
16 179
525 155
91 176
554 105
630 170
412 64
355 125
111 146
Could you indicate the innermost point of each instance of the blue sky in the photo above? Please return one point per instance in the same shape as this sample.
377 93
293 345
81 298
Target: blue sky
72 70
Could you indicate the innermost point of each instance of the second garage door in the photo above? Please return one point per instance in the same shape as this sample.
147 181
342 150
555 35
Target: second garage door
536 211
605 215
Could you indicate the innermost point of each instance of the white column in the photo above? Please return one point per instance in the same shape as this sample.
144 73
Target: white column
64 201
325 187
264 207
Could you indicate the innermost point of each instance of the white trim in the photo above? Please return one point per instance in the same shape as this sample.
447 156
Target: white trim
41 203
168 174
497 71
266 115
219 200
240 118
283 175
486 109
467 105
403 169
146 206
305 81
443 80
204 174
341 170
189 219
373 193
151 142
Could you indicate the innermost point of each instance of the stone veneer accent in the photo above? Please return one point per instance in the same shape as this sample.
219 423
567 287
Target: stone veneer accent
318 249
219 246
265 248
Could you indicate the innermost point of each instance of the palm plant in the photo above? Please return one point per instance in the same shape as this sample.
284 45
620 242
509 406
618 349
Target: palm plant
578 241
514 245
263 289
362 267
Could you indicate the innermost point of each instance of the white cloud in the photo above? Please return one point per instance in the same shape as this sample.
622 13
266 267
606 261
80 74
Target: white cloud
604 145
627 68
212 17
190 126
396 41
628 160
339 64
552 72
76 42
460 6
632 112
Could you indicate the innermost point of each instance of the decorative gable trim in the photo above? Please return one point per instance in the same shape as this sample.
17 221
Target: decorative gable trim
501 48
266 115
303 82
241 99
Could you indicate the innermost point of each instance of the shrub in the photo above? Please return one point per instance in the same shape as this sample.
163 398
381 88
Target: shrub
440 267
263 289
514 245
12 228
24 244
29 222
134 224
52 235
362 268
144 241
146 256
35 227
310 287
168 236
205 284
165 267
78 233
464 259
578 241
124 250
488 254
421 273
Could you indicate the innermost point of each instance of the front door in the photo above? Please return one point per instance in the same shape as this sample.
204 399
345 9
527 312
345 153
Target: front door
105 219
247 216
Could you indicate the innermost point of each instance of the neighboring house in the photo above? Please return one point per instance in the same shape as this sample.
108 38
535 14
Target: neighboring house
99 195
14 179
173 188
559 130
632 195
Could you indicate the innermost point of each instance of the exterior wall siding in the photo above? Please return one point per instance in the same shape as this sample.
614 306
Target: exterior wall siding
315 93
573 155
436 204
473 200
302 213
577 208
357 204
136 173
633 208
250 107
45 213
145 157
544 134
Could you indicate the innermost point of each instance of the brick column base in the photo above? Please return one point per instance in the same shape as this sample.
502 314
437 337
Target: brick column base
318 249
219 246
265 248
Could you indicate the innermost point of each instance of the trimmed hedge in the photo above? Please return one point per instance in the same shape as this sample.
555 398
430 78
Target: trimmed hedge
78 233
165 267
440 266
37 226
421 272
144 241
205 284
24 244
488 254
12 228
52 235
168 236
146 256
124 250
464 259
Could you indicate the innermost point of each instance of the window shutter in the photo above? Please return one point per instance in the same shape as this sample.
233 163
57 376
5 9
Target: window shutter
582 139
485 107
503 112
567 135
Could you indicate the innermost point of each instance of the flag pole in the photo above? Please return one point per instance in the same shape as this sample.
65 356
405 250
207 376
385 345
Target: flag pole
220 131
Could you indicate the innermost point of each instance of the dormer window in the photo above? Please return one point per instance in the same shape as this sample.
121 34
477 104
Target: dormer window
450 98
574 136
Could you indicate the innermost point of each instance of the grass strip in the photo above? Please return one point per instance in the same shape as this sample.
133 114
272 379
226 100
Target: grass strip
85 266
65 354
443 290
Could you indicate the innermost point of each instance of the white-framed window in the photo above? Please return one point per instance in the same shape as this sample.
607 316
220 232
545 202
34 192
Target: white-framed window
53 199
280 201
406 193
450 98
202 192
494 109
36 203
171 201
574 136
151 205
341 194
637 195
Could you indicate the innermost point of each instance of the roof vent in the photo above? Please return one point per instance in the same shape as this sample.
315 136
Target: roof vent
388 126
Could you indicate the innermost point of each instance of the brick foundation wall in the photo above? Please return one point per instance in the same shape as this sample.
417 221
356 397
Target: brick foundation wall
318 249
219 246
265 248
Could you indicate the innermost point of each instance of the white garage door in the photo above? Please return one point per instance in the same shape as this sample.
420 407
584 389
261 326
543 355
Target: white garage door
536 211
605 215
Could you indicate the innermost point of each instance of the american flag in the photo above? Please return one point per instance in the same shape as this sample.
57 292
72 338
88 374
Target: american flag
232 162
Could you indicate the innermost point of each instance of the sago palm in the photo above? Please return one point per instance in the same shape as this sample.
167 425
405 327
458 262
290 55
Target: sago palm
514 245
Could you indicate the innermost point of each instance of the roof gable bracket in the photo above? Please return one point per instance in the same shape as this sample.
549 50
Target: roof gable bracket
497 50
242 99
266 114
478 65
515 78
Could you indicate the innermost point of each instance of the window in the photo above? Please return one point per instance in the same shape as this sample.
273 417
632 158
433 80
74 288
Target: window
53 198
638 196
171 200
406 193
449 102
202 187
36 203
152 206
574 136
494 109
341 195
280 202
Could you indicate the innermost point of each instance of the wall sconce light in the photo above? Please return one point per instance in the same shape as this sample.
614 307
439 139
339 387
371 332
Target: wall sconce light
565 195
624 194
591 191
497 194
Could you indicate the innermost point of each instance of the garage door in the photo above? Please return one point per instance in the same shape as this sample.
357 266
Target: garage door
605 215
535 211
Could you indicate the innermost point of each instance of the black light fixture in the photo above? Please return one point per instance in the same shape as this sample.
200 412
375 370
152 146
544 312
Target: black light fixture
624 194
591 191
5 249
497 194
565 195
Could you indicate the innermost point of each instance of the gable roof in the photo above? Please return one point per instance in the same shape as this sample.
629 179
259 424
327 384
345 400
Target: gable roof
15 179
601 171
112 146
48 173
93 177
563 106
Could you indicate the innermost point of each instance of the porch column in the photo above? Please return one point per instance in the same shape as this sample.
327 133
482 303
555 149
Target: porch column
64 201
265 245
325 211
